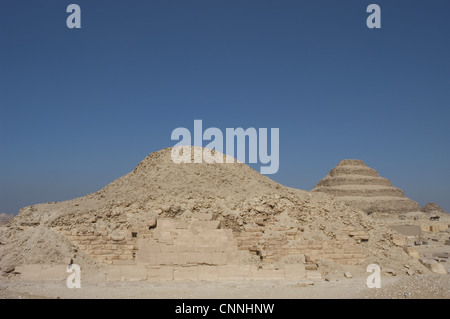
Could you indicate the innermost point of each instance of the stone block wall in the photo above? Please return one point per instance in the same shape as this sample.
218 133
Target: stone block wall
287 241
434 227
200 241
195 242
102 246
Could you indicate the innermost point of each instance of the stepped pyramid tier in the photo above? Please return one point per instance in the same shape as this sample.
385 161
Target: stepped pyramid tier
360 186
197 221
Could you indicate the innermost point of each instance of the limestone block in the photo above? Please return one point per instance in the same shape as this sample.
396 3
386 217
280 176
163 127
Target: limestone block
149 245
198 258
234 272
414 253
167 258
209 273
294 271
212 224
219 258
233 257
228 233
123 262
146 257
164 224
312 274
183 248
268 274
181 258
434 266
126 273
398 240
185 273
160 273
166 248
435 228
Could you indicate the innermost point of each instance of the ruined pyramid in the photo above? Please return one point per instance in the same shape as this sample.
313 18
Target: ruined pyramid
168 219
432 208
360 186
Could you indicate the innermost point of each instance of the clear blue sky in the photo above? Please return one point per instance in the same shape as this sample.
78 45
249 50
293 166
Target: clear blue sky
80 108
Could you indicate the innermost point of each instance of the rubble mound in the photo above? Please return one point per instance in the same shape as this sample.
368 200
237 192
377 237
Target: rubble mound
360 186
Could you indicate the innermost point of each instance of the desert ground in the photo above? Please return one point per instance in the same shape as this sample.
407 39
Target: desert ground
426 286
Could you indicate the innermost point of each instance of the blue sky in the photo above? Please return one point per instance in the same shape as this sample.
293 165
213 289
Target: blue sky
82 107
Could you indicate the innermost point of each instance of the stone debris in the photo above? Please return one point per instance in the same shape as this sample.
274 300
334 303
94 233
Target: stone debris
389 272
414 253
305 283
433 265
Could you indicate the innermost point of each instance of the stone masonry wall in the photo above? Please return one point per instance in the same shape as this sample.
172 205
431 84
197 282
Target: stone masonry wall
200 241
274 243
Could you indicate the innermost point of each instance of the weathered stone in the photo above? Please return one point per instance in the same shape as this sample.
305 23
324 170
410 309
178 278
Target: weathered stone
185 273
8 269
389 272
151 223
433 265
311 274
414 253
294 271
399 240
267 274
208 273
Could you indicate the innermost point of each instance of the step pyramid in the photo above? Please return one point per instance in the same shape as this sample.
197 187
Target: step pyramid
360 186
